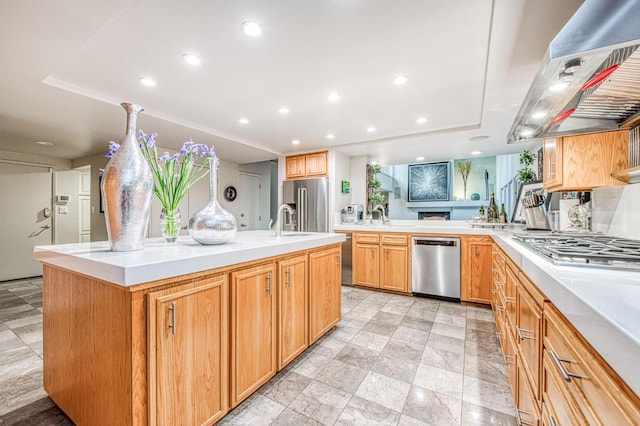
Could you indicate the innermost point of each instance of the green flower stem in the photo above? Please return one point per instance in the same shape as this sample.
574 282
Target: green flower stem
171 227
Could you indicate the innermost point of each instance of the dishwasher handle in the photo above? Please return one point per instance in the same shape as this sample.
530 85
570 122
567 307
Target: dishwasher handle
445 243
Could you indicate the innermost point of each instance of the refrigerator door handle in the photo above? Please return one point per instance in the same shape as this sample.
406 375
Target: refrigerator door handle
302 213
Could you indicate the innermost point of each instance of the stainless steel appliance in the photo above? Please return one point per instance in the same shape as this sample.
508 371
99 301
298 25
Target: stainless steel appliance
594 250
310 203
435 267
347 277
353 213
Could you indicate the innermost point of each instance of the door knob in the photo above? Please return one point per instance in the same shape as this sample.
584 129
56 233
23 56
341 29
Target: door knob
46 227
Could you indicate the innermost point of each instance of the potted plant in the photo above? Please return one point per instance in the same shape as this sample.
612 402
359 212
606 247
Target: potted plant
464 167
526 173
375 197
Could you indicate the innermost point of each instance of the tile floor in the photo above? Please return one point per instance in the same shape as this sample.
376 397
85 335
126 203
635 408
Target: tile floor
392 360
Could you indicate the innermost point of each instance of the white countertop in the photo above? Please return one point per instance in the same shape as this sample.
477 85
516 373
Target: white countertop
160 260
602 304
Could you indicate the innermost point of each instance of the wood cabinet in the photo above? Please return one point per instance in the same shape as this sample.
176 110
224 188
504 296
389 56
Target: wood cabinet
325 291
528 329
309 165
526 402
381 261
476 273
293 309
590 391
253 330
584 162
188 330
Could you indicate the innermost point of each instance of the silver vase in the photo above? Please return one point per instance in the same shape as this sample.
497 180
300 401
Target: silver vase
213 224
127 187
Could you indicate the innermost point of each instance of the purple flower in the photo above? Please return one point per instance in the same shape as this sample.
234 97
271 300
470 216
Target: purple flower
164 157
113 148
175 157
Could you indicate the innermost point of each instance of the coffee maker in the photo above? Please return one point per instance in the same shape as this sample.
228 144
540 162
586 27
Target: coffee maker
352 213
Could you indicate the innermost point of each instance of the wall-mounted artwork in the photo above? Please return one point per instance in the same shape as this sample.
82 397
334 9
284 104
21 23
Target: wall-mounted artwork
429 182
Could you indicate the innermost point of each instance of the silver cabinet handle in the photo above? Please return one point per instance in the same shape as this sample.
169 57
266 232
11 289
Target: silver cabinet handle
507 300
499 283
522 336
566 375
172 326
269 283
552 421
494 290
288 277
509 359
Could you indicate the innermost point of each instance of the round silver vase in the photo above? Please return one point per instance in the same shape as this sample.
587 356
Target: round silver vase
213 224
127 188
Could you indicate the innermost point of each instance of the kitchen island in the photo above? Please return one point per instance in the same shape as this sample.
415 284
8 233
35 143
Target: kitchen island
598 311
181 333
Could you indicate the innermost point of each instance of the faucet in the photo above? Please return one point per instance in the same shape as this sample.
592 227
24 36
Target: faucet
381 208
278 223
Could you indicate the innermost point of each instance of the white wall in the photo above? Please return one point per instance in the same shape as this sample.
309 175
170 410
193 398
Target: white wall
358 168
339 170
67 225
98 224
56 163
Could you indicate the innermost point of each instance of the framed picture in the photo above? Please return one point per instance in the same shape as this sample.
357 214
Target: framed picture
518 213
429 182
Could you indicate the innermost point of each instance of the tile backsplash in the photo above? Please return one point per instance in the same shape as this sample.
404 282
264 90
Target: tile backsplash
615 211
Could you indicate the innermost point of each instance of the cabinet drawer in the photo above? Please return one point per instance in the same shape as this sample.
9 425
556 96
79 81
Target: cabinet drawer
394 239
527 402
528 336
557 406
367 238
600 395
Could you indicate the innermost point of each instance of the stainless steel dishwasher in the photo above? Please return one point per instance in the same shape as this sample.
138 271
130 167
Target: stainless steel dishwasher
435 267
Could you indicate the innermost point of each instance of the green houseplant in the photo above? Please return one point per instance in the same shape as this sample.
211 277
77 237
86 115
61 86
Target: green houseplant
375 197
526 173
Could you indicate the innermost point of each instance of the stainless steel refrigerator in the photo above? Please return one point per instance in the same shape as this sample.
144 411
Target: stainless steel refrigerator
309 200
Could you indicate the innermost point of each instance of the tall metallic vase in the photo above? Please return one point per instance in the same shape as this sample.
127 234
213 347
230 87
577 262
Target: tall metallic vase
127 187
213 224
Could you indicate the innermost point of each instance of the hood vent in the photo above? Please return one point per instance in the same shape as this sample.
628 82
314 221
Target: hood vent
595 74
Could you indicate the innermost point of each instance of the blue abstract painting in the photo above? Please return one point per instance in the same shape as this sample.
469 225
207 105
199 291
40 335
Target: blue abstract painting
429 182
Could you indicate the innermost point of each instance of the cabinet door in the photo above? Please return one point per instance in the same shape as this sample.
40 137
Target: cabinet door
316 164
295 167
511 361
253 337
528 328
552 162
325 291
293 308
188 373
527 404
366 268
478 276
393 268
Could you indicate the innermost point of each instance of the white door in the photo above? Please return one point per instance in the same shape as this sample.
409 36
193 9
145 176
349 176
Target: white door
25 218
84 205
250 202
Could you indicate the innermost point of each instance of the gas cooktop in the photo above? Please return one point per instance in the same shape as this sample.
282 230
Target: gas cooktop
596 250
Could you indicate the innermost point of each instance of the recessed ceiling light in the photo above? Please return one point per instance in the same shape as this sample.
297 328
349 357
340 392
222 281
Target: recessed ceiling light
476 152
147 81
333 97
526 132
478 138
400 79
371 129
295 142
560 85
421 120
538 115
252 28
44 143
283 110
191 59
331 136
374 163
243 120
419 158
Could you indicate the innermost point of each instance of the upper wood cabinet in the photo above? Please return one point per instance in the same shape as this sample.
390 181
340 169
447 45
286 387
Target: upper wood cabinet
310 165
293 309
253 330
584 162
476 269
325 291
188 347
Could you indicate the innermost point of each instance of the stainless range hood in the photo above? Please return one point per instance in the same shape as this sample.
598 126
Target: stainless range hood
590 77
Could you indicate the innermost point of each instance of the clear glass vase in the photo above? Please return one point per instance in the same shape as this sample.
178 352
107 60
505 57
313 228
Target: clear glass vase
213 224
170 224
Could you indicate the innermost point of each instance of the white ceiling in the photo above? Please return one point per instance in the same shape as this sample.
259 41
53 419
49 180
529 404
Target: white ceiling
67 65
